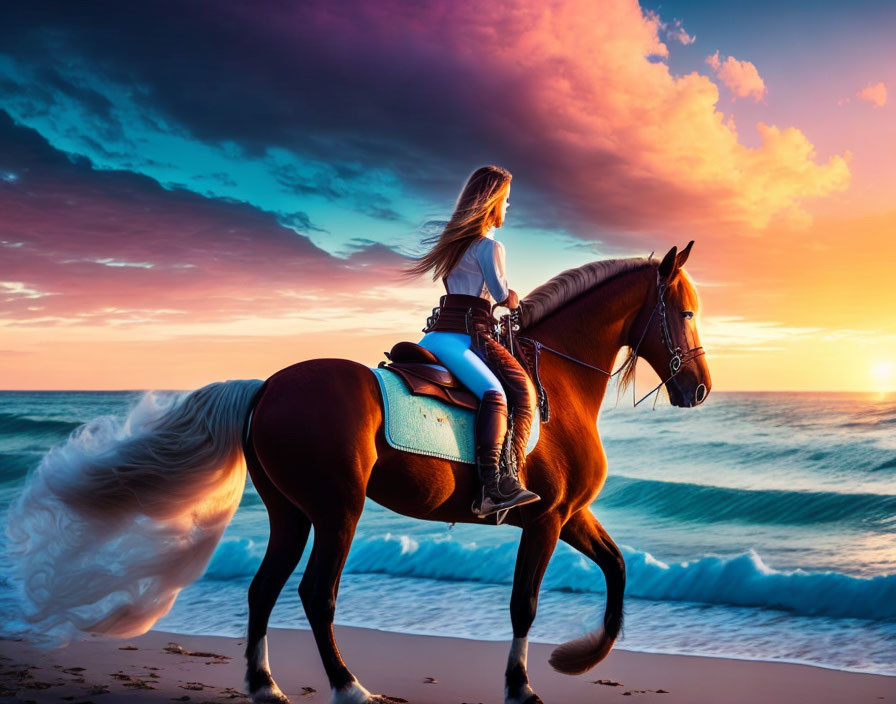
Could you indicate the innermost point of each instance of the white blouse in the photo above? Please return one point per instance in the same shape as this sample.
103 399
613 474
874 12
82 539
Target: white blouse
480 271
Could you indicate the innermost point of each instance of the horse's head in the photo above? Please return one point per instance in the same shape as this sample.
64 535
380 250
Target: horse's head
670 342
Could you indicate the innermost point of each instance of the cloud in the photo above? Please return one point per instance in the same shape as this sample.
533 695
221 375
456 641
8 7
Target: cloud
876 94
673 30
428 93
740 77
18 288
733 332
84 247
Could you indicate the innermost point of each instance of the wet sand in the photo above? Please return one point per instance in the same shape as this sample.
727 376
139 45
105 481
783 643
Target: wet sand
166 667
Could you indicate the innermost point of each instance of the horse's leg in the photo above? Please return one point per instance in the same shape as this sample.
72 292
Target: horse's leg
314 430
587 535
536 547
289 532
332 540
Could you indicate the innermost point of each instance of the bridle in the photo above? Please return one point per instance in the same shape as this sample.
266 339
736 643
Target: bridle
677 358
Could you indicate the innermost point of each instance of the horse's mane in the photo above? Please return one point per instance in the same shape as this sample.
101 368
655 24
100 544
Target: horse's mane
572 283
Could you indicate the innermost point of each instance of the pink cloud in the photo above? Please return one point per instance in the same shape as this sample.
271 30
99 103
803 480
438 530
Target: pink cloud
81 246
621 139
740 77
634 145
876 94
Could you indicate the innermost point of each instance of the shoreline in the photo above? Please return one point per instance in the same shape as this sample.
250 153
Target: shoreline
419 668
620 648
551 644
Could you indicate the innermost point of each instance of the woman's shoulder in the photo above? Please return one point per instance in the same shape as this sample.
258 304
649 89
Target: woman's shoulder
490 255
490 246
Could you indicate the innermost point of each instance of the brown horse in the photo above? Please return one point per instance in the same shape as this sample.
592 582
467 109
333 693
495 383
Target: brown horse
315 467
109 528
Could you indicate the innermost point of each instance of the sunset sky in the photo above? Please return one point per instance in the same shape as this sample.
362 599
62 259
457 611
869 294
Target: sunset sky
200 191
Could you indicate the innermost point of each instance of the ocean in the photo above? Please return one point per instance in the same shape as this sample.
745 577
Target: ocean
758 526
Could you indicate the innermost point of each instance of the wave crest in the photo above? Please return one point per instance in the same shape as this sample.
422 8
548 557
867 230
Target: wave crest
739 580
710 504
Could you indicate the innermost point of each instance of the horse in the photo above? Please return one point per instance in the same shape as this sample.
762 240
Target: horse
313 442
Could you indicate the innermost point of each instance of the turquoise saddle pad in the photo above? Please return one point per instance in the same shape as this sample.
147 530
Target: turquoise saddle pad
428 426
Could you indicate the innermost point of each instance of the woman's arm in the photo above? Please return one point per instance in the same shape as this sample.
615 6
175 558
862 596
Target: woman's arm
491 257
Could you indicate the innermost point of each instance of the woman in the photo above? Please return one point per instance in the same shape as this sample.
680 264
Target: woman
470 263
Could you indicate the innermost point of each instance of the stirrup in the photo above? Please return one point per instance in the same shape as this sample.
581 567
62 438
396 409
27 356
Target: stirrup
500 514
502 507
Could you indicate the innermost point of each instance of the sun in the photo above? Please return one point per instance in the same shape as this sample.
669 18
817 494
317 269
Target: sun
883 374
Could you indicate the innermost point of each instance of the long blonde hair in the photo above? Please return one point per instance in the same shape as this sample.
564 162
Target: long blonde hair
477 209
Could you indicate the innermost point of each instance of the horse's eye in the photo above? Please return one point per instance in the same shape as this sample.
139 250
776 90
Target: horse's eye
687 314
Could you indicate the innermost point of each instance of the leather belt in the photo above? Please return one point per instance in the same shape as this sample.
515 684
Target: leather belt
457 312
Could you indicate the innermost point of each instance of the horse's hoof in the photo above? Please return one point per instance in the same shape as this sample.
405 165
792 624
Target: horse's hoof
354 693
529 697
269 694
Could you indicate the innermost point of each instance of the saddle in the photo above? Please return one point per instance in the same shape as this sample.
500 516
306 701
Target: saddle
424 375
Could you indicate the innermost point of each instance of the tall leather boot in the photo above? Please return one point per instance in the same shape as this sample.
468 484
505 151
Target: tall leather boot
498 491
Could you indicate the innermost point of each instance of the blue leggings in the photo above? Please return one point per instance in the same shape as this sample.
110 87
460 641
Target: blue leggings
453 350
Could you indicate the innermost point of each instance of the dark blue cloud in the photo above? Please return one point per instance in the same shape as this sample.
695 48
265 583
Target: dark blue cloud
414 111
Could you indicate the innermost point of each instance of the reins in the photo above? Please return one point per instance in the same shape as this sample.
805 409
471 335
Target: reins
676 361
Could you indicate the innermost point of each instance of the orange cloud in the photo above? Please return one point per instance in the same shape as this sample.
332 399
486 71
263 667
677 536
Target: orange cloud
639 145
875 94
740 77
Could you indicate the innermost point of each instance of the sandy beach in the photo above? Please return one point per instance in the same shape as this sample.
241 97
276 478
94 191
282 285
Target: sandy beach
165 667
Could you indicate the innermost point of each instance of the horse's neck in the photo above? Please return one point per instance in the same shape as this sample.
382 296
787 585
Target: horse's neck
592 329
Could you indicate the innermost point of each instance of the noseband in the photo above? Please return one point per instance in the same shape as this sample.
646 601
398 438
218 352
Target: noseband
677 358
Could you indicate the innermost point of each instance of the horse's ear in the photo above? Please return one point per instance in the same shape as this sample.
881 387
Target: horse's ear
668 265
683 255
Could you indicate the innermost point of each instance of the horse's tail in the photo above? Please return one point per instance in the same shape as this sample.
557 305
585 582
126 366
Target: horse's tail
114 522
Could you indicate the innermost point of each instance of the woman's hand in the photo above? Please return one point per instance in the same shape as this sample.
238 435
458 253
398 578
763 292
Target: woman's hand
513 300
